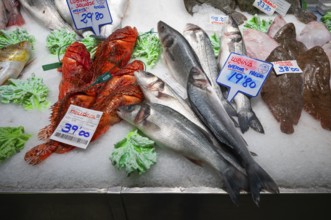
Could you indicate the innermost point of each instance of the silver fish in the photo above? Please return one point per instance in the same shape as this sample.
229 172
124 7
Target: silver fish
170 129
202 46
46 13
208 107
3 16
232 41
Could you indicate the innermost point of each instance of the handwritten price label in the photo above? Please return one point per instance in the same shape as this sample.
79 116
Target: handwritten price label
282 7
243 74
266 6
288 66
89 14
218 19
77 126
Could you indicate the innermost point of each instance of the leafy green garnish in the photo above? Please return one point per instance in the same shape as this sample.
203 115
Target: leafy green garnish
215 42
91 44
258 24
13 37
31 93
135 153
148 48
326 19
58 41
12 140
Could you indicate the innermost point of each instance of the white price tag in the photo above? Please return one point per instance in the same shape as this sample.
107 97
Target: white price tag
287 66
77 126
89 14
282 7
218 19
243 74
266 6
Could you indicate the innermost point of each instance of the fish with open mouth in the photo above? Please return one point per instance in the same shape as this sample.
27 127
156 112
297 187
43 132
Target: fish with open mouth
205 103
160 122
232 41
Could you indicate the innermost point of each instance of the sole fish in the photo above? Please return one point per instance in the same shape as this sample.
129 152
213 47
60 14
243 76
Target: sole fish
160 122
283 94
208 107
317 94
232 41
13 59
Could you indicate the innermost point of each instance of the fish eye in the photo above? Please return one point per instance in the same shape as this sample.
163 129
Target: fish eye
149 74
130 108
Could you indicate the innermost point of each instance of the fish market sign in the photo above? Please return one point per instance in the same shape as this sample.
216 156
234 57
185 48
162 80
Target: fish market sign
243 74
265 6
89 14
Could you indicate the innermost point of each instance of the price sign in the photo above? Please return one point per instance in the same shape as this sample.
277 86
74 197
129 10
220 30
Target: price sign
218 19
266 6
243 74
287 66
89 14
77 126
282 7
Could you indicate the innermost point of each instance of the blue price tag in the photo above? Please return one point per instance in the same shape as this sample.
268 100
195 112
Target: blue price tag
267 6
90 14
243 74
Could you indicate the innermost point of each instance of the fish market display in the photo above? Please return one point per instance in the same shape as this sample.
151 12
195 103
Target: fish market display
232 41
314 34
226 6
3 16
317 94
259 45
208 107
284 93
286 37
44 11
75 69
13 58
14 15
202 47
277 24
160 122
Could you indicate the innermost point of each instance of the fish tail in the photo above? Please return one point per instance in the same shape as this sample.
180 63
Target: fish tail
259 179
234 182
40 152
248 119
15 19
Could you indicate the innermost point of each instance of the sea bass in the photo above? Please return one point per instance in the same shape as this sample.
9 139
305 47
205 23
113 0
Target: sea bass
13 58
283 94
160 122
317 94
232 41
14 15
3 16
208 107
202 47
44 11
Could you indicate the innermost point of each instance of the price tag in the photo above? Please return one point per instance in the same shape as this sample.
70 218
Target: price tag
282 6
243 74
77 126
266 6
89 14
218 19
287 66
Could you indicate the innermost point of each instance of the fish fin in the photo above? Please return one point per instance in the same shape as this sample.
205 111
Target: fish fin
286 127
40 152
259 179
15 19
248 119
229 108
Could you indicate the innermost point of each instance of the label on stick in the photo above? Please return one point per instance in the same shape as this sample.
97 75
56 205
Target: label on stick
243 74
286 66
266 6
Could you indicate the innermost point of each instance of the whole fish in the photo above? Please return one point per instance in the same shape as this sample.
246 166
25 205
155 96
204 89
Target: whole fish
232 41
170 129
13 58
205 103
14 15
284 93
45 12
226 6
317 94
3 16
202 47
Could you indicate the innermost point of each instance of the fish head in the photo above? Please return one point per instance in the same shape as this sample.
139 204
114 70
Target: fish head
148 81
167 34
134 114
17 52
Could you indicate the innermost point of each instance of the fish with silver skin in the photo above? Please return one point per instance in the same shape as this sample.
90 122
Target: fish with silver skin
170 129
232 41
203 48
13 59
206 104
46 13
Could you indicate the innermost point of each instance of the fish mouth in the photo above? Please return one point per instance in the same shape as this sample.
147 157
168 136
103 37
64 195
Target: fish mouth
161 26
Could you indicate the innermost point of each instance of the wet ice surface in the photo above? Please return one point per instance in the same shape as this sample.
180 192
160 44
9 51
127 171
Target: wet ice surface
298 161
